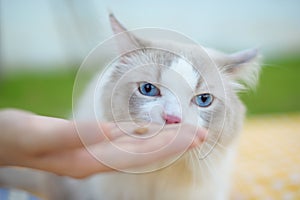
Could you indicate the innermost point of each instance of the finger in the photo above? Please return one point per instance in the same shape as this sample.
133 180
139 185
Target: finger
127 152
54 134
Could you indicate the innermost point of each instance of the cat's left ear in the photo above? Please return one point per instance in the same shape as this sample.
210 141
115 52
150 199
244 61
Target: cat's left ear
243 66
126 41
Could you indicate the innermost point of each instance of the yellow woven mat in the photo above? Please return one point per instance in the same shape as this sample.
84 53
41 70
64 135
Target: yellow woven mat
268 164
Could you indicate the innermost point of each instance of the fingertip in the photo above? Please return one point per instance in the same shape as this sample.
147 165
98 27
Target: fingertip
202 134
199 138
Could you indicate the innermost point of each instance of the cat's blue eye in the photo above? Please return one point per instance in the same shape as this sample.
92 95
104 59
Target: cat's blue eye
203 100
149 89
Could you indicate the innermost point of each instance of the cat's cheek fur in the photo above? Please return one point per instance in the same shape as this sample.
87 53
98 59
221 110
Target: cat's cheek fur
153 110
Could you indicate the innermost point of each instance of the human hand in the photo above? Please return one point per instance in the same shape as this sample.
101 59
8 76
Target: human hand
53 144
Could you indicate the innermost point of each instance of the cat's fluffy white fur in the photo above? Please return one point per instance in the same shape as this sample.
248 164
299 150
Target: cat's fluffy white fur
189 177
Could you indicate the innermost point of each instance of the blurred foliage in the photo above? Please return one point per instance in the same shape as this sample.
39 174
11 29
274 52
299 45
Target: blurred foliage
278 90
50 93
46 93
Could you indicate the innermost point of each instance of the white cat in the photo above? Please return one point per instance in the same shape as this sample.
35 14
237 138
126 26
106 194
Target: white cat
178 86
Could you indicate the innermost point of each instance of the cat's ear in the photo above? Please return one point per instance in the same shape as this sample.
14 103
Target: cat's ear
116 25
126 41
242 67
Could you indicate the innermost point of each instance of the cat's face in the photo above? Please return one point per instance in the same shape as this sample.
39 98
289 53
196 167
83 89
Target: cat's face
162 87
186 84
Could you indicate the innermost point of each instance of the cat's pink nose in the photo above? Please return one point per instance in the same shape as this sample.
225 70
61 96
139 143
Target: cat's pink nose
171 119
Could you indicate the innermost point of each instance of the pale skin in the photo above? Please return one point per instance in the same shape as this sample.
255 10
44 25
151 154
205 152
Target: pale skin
53 144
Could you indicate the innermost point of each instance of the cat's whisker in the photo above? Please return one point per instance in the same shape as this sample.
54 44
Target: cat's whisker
222 146
197 165
193 165
207 166
210 158
270 65
217 144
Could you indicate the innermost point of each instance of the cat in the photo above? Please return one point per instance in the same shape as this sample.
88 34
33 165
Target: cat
186 84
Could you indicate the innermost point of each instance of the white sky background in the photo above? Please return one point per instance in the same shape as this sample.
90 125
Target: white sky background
46 32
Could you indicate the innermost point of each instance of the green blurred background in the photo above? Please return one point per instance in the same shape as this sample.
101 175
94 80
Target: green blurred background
44 42
51 93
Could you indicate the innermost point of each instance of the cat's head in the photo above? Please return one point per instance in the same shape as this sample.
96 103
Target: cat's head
169 82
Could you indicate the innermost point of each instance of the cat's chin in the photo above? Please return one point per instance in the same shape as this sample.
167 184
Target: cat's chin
177 163
154 167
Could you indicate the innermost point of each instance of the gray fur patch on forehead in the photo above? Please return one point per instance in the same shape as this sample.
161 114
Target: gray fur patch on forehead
142 57
151 55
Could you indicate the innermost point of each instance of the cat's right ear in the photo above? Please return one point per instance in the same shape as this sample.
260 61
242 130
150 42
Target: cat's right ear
242 67
125 40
